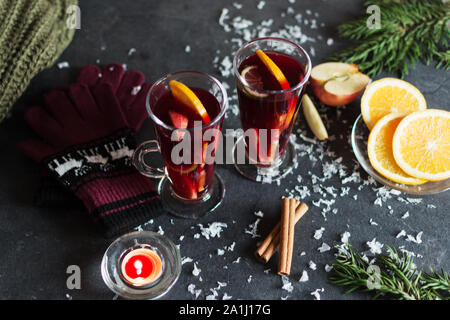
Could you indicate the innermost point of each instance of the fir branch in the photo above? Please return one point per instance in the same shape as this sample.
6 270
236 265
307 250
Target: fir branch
410 31
396 275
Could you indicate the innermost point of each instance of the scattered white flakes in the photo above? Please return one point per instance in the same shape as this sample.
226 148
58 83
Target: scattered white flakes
196 271
186 260
63 65
131 51
259 214
68 296
193 291
287 285
224 16
187 49
237 5
266 271
417 239
405 215
374 246
312 265
103 48
373 223
330 41
226 297
181 238
253 229
302 253
237 260
316 293
431 206
213 230
401 234
414 200
325 247
328 268
197 236
226 67
249 279
160 230
231 246
304 276
318 233
291 1
345 236
220 252
261 5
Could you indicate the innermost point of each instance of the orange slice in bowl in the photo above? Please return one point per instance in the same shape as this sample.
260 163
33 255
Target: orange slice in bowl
274 69
379 149
421 144
389 95
188 98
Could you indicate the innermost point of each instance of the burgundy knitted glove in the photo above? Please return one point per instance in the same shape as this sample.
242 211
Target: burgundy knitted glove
131 91
86 143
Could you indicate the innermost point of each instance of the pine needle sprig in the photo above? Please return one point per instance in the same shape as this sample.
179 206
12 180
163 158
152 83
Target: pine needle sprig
394 274
410 31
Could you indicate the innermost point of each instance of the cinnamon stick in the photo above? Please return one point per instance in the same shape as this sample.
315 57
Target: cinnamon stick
270 244
286 235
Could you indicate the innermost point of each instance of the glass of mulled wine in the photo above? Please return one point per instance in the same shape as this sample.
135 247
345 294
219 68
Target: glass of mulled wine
187 110
271 76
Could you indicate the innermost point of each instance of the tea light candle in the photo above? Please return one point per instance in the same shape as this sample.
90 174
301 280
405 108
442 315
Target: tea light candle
141 267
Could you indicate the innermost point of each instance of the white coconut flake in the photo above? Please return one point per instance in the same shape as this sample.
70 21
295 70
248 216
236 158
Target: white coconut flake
328 268
253 229
345 236
316 293
374 246
287 285
196 271
213 230
63 64
187 49
186 260
131 51
401 234
312 265
304 277
193 291
417 239
324 247
318 233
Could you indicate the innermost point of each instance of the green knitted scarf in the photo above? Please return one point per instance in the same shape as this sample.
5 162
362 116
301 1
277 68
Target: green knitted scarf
33 34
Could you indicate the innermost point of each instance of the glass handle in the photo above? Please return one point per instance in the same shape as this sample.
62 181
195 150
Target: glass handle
139 162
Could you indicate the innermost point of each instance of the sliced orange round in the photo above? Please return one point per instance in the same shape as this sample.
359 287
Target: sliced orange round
188 98
421 144
389 95
254 78
274 69
379 148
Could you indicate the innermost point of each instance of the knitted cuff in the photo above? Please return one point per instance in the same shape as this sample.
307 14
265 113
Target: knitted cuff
120 201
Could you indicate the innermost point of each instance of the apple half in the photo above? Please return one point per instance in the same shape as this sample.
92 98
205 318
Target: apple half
337 83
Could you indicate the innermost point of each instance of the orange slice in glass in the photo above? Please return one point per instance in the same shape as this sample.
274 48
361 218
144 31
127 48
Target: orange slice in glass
188 98
274 69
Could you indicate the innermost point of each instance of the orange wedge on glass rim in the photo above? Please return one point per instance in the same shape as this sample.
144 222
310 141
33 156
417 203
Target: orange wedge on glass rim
188 98
274 69
421 144
379 149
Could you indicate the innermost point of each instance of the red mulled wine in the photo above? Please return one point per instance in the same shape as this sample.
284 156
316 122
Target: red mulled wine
192 178
263 108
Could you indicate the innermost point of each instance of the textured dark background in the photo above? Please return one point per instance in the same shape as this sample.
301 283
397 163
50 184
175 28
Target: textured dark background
38 244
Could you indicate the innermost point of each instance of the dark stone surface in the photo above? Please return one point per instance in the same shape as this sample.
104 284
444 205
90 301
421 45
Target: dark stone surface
39 244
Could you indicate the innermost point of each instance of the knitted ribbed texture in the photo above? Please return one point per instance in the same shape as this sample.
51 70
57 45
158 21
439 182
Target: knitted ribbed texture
33 34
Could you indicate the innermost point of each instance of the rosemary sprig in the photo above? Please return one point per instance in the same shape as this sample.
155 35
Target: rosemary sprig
410 31
394 274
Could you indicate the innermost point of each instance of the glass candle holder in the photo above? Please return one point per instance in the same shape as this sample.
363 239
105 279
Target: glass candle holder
141 265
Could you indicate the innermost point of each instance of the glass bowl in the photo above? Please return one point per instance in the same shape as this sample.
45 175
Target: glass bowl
359 137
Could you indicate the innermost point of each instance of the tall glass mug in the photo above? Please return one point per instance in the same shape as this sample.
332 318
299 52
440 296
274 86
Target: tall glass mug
189 187
270 84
